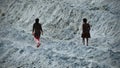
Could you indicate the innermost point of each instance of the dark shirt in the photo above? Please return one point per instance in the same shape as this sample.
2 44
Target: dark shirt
37 29
86 28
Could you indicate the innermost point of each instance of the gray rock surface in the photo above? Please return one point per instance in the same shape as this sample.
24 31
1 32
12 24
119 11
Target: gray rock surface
61 44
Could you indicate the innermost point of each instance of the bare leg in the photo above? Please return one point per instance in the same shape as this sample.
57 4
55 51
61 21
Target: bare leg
87 41
37 40
38 44
83 41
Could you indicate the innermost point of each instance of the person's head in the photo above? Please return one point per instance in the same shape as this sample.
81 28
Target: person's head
84 20
37 20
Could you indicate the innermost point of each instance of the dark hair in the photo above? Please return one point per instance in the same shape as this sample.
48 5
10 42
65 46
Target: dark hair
84 20
37 20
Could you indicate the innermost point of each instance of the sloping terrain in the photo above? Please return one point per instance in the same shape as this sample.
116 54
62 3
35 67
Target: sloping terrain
61 44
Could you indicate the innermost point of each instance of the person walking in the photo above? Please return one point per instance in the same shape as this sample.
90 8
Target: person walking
85 31
37 31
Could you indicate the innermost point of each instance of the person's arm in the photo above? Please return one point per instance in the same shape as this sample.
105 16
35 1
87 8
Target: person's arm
89 26
41 30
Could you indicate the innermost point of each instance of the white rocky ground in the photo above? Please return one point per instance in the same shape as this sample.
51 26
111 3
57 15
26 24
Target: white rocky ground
61 43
